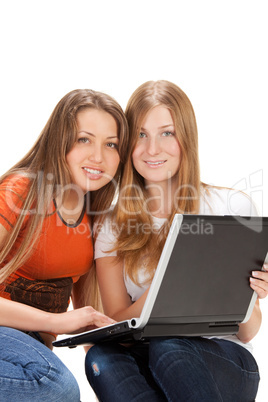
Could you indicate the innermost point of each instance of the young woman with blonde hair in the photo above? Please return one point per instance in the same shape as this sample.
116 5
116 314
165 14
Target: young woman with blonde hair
47 204
162 178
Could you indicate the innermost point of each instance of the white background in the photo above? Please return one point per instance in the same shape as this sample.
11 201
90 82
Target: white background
216 51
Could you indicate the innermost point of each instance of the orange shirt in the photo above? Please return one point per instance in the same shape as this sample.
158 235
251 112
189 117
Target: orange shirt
60 256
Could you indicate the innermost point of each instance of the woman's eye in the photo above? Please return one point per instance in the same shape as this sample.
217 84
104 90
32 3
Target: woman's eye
167 134
142 135
83 140
112 145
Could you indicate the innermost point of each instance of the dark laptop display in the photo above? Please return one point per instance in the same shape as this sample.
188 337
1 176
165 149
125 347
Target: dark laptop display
201 284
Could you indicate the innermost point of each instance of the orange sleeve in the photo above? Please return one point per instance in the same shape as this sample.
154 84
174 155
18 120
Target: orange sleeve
13 191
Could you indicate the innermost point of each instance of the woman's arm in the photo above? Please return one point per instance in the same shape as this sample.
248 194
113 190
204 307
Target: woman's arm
27 318
115 299
250 329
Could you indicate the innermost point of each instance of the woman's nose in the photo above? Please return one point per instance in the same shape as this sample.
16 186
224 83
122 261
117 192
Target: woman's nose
153 146
96 153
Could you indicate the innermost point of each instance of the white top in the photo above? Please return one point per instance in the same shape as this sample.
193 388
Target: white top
220 201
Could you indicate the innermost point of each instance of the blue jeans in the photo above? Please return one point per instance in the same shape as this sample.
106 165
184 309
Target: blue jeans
177 369
29 371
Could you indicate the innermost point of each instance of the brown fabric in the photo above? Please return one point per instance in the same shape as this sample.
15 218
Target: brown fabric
49 295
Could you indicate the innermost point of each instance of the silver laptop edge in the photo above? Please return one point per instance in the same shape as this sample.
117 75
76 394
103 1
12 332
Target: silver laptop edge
253 300
159 274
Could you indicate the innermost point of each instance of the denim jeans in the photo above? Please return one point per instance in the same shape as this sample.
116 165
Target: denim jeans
177 369
29 371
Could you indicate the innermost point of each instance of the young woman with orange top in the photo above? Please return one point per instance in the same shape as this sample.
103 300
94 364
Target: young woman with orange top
47 204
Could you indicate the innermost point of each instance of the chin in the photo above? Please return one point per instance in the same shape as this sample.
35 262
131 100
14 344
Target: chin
96 186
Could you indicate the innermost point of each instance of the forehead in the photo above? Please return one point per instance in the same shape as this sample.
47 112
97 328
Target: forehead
95 121
159 116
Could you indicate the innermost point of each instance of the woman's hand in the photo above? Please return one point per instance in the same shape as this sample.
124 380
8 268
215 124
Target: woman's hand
78 320
259 282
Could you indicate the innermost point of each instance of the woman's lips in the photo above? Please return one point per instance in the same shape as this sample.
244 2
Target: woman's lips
155 164
93 173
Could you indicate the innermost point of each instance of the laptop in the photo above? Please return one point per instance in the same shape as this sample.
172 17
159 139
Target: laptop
201 284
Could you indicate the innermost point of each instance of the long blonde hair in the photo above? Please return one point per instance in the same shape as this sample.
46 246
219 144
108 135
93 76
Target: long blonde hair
46 168
134 244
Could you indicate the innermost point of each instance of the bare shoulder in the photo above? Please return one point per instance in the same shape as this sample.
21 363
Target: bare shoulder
228 201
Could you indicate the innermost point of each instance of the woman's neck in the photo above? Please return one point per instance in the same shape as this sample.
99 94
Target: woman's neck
70 206
160 200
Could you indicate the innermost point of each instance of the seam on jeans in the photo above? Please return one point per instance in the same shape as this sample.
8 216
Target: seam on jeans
174 363
232 362
38 351
224 358
166 392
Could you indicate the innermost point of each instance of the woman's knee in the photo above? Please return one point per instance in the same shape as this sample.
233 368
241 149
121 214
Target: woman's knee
102 360
39 382
30 371
99 357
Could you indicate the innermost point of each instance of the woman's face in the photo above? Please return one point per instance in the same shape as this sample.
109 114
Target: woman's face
94 158
156 156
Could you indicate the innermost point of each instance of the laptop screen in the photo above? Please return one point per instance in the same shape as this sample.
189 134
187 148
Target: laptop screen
207 275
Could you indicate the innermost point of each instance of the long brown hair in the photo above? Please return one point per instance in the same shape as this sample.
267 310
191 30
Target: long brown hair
134 243
46 168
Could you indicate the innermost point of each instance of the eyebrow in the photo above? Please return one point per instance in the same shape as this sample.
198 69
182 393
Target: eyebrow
93 135
165 126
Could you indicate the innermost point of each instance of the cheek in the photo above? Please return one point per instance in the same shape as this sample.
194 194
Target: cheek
134 159
74 156
136 154
69 159
174 149
114 162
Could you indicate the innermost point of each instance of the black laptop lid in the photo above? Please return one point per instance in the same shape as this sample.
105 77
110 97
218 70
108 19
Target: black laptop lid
207 276
204 286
